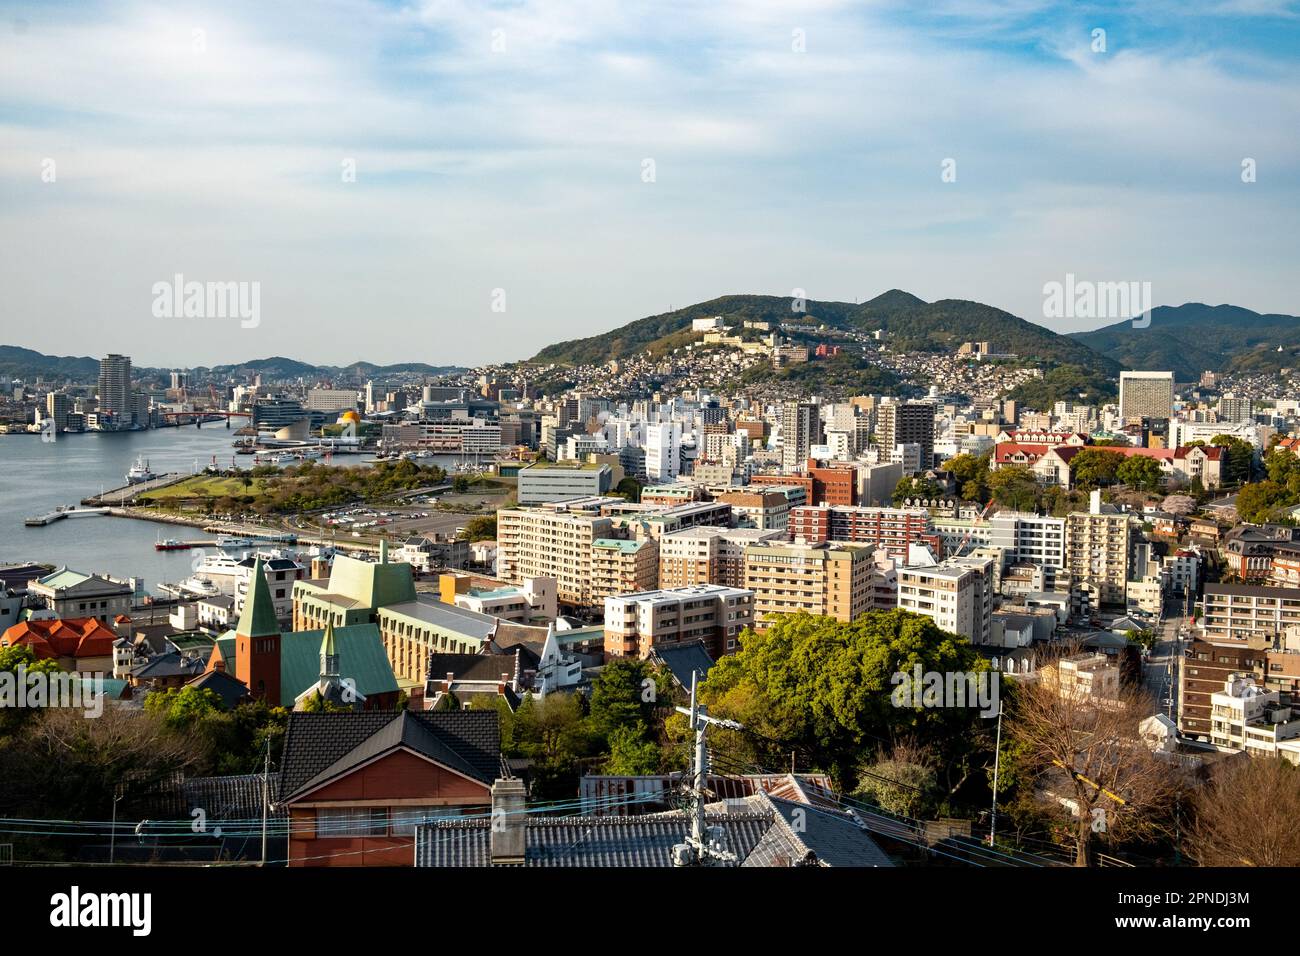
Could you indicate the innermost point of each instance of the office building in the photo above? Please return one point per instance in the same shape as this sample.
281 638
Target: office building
544 481
800 430
1146 395
906 423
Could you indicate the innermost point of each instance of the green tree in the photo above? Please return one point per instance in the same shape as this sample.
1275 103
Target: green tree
624 695
909 487
629 488
1239 458
480 528
632 752
903 787
184 706
13 659
825 688
1095 468
1015 487
1140 472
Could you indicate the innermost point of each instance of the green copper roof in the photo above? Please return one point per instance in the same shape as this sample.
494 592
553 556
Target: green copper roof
361 659
373 585
257 619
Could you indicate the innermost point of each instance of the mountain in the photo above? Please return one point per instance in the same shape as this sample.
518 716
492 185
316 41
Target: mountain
910 323
26 364
1190 338
23 364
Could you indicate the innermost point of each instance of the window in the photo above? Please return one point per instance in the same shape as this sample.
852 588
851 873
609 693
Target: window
351 822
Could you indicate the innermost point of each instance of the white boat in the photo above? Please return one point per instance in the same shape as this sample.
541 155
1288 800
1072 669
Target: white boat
140 472
231 541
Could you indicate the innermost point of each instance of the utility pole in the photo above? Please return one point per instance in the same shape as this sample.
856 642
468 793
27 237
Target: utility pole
266 795
697 850
112 838
997 765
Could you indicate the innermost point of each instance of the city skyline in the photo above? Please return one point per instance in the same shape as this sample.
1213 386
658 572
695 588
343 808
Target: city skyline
388 173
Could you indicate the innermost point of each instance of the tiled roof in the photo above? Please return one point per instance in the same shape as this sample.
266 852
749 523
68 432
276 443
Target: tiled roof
683 659
316 743
645 841
62 637
803 835
362 659
473 667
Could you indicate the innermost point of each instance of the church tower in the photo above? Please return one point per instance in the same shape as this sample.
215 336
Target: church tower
257 641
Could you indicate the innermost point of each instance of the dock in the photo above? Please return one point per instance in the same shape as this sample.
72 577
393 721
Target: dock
127 493
58 514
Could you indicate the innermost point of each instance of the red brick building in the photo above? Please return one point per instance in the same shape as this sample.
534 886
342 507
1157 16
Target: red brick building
356 784
890 528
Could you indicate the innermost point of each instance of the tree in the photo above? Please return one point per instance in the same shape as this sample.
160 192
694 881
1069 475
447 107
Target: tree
1015 487
1144 637
1239 458
20 660
1246 815
184 706
479 528
1095 467
824 688
1140 472
904 784
1091 750
971 473
622 696
629 488
460 484
908 487
632 752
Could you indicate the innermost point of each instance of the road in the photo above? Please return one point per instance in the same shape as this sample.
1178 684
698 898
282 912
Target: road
1161 669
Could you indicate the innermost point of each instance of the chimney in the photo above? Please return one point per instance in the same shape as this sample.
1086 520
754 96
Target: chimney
509 822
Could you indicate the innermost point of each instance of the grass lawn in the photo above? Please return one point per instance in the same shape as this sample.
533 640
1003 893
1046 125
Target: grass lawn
204 486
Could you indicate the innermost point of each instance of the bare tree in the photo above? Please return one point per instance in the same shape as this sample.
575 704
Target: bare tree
1088 745
1246 815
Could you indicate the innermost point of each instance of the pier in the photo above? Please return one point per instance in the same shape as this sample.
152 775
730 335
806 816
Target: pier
58 514
127 493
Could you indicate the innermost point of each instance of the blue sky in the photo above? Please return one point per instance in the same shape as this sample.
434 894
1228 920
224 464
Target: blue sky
502 146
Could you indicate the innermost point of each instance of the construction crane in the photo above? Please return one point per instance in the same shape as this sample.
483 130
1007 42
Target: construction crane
961 546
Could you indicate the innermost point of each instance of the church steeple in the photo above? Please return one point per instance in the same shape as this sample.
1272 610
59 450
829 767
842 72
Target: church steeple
257 619
329 657
257 640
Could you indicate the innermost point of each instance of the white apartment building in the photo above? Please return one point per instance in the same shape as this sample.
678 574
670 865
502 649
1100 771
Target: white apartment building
635 624
663 452
957 594
708 555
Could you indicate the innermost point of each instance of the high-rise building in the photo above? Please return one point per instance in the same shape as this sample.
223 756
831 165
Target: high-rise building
893 529
1098 553
800 430
115 389
57 407
1146 395
663 454
906 423
180 380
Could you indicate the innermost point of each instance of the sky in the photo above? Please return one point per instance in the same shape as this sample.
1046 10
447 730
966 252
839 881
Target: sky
464 181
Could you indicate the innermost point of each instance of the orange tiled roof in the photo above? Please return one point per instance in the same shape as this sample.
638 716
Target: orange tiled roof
62 637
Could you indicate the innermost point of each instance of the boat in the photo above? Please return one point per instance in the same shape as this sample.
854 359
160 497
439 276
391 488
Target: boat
171 544
140 472
231 541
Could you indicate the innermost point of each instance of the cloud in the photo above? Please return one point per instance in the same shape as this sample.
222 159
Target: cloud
514 159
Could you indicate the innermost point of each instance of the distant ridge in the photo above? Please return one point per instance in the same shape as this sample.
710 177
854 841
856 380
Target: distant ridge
911 324
1191 338
27 364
